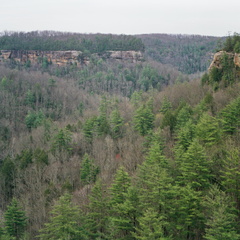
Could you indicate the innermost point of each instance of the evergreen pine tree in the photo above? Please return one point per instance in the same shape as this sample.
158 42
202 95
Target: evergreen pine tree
195 167
102 124
230 175
221 220
155 184
64 222
150 227
183 116
116 123
185 136
144 118
185 213
119 221
231 116
8 173
169 120
155 153
62 140
166 105
97 217
89 170
89 128
228 70
208 130
131 209
15 220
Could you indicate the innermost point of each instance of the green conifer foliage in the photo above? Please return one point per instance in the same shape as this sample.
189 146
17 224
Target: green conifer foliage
30 98
8 173
208 130
34 119
183 116
120 186
102 124
119 221
195 167
215 76
89 170
88 128
166 105
221 219
136 98
116 123
144 118
1 233
97 217
205 79
40 157
231 116
150 78
131 208
25 158
155 153
237 47
64 222
185 217
185 137
230 174
150 226
228 70
15 220
62 140
169 120
154 182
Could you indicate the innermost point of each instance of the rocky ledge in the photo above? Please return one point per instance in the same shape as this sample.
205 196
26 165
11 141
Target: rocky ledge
217 59
62 58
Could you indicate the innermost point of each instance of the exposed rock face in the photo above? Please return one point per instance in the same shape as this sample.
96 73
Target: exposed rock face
217 59
237 59
62 58
131 56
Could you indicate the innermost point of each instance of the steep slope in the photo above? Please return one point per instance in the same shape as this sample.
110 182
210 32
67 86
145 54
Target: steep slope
103 152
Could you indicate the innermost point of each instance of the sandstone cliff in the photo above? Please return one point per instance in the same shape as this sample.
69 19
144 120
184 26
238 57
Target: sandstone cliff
62 58
217 59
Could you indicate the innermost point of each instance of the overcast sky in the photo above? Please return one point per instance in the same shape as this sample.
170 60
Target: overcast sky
205 17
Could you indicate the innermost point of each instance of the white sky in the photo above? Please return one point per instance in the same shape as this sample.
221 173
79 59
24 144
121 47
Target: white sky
205 17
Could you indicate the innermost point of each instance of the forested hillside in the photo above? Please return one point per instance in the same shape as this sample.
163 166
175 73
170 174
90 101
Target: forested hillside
57 41
188 53
118 150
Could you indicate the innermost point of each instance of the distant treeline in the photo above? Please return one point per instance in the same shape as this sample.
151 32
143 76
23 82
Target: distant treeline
62 41
188 53
232 43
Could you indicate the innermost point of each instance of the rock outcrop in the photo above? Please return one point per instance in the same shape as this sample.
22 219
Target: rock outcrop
217 59
63 58
237 59
131 56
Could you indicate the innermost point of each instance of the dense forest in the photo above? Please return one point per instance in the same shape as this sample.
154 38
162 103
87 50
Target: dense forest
119 150
188 53
59 41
